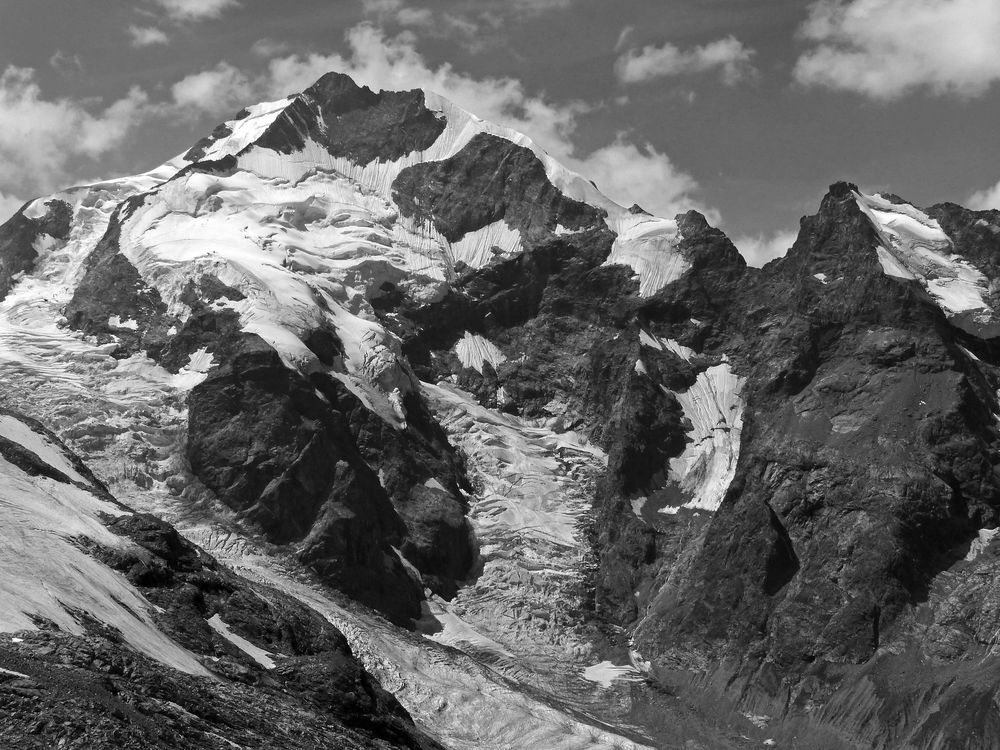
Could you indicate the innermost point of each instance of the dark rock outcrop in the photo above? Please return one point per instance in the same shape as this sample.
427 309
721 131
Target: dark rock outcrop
278 449
489 180
354 122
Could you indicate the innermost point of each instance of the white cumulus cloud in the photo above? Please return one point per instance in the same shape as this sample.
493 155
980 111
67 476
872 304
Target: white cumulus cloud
885 49
629 174
195 10
218 91
41 138
983 200
268 47
759 249
727 55
146 36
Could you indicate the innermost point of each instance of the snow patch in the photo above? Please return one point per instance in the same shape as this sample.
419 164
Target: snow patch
915 247
605 673
259 655
758 720
649 246
246 130
708 464
479 248
637 505
115 322
980 543
821 278
474 351
668 345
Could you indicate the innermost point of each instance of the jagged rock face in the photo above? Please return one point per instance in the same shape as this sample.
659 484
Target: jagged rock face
867 459
867 464
793 469
278 449
489 180
354 122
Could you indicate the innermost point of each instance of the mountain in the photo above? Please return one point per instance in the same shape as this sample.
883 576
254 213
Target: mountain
362 388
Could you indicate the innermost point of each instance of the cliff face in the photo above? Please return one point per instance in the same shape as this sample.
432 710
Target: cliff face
866 488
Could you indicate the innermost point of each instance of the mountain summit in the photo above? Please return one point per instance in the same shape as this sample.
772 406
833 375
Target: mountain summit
560 472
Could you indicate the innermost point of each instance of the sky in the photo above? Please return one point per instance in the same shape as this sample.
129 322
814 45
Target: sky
746 110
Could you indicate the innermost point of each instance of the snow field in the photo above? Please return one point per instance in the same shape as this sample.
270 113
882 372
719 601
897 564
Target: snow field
708 464
44 573
915 247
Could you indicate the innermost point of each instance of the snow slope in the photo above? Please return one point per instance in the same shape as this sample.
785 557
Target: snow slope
708 464
714 407
915 247
474 351
45 573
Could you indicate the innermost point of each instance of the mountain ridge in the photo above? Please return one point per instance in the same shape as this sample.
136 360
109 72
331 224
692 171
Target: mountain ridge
403 350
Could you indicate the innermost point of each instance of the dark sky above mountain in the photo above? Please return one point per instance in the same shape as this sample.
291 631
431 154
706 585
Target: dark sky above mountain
745 110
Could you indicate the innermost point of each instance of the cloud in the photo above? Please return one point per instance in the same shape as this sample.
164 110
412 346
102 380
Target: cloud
983 200
268 48
220 90
415 16
146 36
727 55
64 64
471 23
623 37
195 10
626 172
381 7
536 7
762 248
885 49
42 139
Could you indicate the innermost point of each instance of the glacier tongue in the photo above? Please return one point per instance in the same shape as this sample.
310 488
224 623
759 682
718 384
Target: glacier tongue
533 496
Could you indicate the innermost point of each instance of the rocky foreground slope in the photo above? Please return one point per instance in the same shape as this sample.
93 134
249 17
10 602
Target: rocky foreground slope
120 633
562 473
